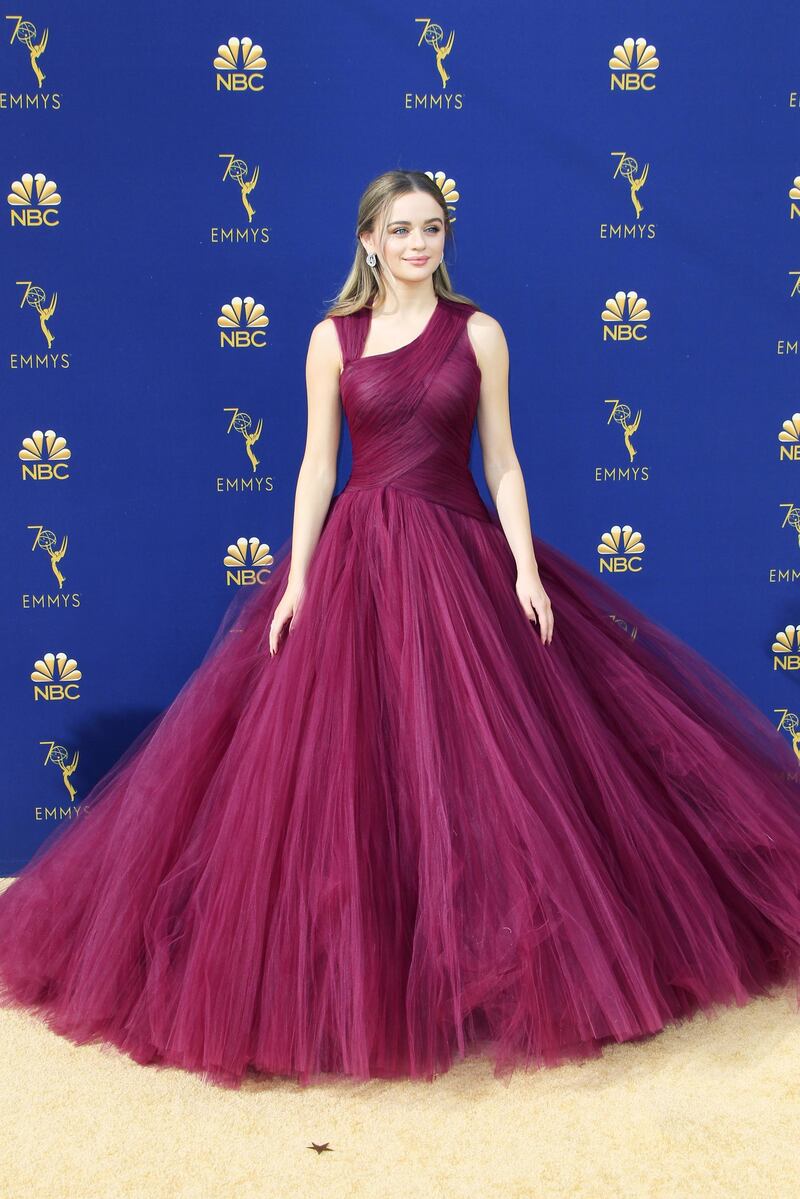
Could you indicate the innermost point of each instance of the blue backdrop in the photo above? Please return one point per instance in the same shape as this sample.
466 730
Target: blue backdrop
127 155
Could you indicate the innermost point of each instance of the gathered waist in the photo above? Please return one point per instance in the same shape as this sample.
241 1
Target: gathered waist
465 499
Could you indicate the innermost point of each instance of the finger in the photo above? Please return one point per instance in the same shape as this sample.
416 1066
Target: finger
274 633
543 624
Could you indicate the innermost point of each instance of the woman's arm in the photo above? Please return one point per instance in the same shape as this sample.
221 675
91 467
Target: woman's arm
316 478
501 465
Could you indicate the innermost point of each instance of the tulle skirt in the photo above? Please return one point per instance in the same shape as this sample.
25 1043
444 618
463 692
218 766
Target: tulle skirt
417 832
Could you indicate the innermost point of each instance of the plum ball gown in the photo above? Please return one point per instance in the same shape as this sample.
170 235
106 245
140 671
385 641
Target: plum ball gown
416 832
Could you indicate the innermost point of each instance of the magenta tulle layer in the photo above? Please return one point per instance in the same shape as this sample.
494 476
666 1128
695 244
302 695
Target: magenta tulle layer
418 833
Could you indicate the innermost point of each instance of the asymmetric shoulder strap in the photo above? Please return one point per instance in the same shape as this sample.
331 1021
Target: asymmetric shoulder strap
352 330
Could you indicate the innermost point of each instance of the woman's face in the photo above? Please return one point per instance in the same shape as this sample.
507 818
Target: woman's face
414 242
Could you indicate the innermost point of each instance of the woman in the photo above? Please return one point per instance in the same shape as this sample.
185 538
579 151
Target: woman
422 825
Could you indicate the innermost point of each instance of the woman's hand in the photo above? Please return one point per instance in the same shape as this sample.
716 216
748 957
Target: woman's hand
287 609
535 602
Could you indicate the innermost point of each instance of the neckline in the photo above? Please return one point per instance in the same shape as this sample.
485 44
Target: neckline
386 353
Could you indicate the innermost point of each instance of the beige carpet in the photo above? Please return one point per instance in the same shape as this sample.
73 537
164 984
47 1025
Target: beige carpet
710 1107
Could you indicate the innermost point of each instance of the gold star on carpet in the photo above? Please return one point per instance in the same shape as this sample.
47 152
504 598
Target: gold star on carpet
320 1148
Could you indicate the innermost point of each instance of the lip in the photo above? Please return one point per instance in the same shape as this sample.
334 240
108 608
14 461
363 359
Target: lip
417 261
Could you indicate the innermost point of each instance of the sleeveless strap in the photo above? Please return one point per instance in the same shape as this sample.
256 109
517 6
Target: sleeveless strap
352 331
352 328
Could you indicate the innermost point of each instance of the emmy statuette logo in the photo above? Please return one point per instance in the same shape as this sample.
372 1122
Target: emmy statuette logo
789 346
633 177
238 173
621 623
24 34
438 47
34 299
66 764
621 415
789 723
47 543
241 423
29 47
791 520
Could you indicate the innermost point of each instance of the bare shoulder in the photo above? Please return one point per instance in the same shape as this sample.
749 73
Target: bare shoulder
487 337
323 342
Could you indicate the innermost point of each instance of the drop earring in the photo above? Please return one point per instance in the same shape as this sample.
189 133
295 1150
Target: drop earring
371 259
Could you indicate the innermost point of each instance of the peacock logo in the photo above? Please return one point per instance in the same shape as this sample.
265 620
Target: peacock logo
240 66
44 455
625 317
242 323
785 654
33 201
633 66
55 677
789 439
447 187
794 196
247 562
620 550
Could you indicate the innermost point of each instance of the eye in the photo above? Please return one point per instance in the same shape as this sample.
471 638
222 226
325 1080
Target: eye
429 229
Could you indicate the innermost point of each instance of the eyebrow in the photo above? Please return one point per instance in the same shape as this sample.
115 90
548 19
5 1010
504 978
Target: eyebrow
433 218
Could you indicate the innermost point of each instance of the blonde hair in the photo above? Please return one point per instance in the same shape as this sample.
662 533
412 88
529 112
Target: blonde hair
365 284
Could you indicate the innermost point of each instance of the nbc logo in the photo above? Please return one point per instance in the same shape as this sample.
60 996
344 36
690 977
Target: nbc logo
247 562
243 323
625 316
784 648
45 455
55 677
633 66
447 187
789 438
33 201
794 196
240 65
620 550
